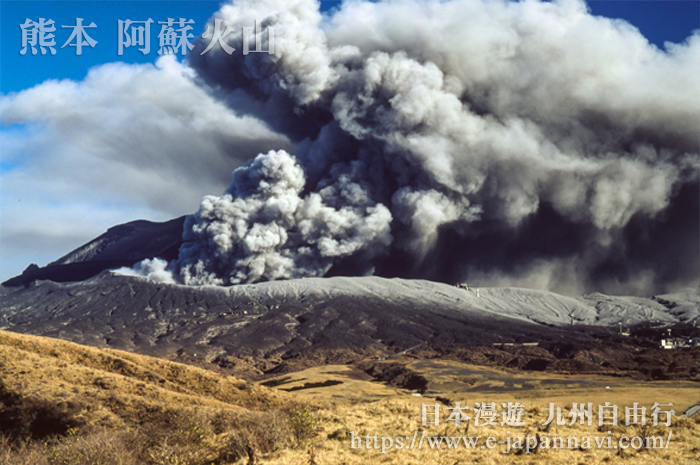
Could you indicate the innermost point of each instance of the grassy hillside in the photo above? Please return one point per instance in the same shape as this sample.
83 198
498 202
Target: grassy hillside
65 404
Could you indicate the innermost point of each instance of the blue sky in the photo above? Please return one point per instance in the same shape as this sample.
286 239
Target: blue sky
19 72
658 21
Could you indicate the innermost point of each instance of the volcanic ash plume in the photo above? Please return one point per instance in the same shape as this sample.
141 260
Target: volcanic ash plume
453 140
263 229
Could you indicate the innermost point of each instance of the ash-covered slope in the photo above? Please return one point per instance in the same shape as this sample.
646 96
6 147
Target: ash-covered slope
288 316
122 245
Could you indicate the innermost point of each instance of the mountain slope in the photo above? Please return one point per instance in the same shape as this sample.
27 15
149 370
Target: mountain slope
82 405
134 314
122 245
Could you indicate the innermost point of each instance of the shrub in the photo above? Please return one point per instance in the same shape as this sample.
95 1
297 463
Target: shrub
302 422
96 448
32 417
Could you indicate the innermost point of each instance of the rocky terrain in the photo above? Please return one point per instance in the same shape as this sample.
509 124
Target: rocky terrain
285 325
274 327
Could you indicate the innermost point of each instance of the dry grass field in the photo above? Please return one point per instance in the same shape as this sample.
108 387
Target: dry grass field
62 403
369 408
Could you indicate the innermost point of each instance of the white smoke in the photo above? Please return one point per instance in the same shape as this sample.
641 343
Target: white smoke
128 141
420 120
263 228
155 269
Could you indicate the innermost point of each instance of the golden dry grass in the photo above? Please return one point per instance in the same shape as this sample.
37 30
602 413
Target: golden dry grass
44 366
132 409
366 407
125 408
392 418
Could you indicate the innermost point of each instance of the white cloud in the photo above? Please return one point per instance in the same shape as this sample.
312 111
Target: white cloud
127 142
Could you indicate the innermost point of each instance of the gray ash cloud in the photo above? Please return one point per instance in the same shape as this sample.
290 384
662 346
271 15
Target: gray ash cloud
525 143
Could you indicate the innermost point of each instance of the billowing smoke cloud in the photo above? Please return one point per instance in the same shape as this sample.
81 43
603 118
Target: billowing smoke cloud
451 140
129 141
263 229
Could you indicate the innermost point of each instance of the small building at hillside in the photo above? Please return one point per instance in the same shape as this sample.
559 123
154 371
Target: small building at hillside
680 343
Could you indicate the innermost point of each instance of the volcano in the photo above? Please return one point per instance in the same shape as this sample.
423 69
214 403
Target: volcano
374 171
81 299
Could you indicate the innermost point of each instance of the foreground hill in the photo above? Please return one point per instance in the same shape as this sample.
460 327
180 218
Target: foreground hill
127 407
62 403
109 386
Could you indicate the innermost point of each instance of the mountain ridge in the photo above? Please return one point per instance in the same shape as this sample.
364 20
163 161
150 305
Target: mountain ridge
122 245
132 313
